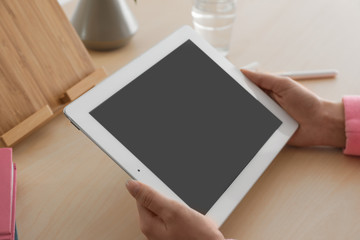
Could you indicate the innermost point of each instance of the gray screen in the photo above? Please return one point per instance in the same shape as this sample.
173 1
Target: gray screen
190 123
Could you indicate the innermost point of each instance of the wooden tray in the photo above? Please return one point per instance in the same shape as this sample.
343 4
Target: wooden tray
43 66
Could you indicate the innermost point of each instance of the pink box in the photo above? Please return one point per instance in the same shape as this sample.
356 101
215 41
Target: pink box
7 194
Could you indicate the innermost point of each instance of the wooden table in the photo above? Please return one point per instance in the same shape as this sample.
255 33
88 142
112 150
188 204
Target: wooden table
69 189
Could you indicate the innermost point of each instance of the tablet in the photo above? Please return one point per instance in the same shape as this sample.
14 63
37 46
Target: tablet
182 119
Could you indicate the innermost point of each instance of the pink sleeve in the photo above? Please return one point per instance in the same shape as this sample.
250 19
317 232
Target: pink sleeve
352 124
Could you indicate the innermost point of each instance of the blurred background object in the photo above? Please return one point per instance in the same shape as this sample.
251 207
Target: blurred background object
214 20
104 24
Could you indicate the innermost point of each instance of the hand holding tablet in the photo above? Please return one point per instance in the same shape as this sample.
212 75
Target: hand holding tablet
185 121
163 219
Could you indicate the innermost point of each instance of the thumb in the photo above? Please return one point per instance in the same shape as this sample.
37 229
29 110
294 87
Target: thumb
268 82
148 197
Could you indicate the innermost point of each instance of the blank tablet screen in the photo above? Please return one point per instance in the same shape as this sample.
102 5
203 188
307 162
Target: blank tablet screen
190 123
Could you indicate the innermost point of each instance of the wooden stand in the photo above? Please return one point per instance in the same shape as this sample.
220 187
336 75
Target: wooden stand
83 86
45 114
43 66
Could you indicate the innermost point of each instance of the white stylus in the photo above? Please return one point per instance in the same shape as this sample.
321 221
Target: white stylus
314 74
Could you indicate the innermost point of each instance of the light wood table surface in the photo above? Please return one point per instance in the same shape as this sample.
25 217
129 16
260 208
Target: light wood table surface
69 189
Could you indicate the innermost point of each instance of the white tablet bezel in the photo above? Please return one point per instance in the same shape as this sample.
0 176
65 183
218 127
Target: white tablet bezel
78 113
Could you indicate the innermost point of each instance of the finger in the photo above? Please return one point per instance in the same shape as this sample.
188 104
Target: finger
148 197
149 222
144 213
267 81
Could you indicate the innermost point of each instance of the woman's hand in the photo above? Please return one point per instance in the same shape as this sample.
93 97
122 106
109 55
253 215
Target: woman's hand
165 219
320 122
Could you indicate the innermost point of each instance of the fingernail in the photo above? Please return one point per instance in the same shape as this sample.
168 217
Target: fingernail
132 186
129 182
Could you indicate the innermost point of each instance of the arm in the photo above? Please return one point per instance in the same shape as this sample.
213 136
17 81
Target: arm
352 124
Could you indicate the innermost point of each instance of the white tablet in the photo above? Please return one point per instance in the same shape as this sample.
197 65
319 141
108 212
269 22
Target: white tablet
182 119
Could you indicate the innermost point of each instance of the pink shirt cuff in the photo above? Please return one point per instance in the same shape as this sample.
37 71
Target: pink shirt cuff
352 124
